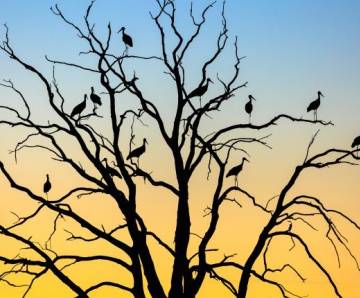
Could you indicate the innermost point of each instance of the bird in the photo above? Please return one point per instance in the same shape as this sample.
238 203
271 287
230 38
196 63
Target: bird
356 143
47 185
95 98
79 108
138 151
200 91
112 172
236 170
126 38
249 107
313 106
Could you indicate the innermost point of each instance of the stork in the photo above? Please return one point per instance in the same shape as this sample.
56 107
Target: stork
79 108
112 172
249 107
313 106
47 185
200 91
356 143
236 170
126 39
95 98
138 151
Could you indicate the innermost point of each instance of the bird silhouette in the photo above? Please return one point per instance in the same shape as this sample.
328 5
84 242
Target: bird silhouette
95 98
47 185
313 106
356 143
112 172
249 107
200 91
126 38
79 108
138 151
236 170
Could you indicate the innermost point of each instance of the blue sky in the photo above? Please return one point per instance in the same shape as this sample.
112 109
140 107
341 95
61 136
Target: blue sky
292 48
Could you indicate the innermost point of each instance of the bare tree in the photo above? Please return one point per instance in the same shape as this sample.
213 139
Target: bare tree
102 146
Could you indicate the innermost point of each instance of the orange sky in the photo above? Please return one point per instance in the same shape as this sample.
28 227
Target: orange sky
292 50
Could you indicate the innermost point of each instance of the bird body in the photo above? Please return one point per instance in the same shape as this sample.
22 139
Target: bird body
313 106
236 170
200 91
356 142
126 38
47 184
138 151
112 172
94 97
249 106
79 108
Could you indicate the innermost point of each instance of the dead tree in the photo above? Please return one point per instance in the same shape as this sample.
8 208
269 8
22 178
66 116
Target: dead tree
99 159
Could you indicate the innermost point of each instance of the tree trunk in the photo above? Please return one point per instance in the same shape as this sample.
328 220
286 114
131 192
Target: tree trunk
180 276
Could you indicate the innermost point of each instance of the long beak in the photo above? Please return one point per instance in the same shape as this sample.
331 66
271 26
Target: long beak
211 81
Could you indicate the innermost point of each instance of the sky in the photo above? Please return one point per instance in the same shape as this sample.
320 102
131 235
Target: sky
292 50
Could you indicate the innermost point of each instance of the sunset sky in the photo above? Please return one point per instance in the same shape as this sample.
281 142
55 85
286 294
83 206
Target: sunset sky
292 50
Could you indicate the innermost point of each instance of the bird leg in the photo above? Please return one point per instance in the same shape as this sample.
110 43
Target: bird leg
205 112
236 181
249 118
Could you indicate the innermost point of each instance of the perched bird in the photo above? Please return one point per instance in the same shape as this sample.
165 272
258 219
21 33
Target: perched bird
249 107
126 38
200 91
47 185
79 108
356 143
112 172
236 170
315 105
95 98
138 151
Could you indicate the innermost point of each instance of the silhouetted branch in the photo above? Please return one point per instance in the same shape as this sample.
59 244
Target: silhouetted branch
108 284
72 65
315 203
162 243
11 85
80 259
311 257
147 176
47 260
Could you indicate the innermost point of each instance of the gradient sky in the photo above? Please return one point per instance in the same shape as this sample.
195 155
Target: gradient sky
292 48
